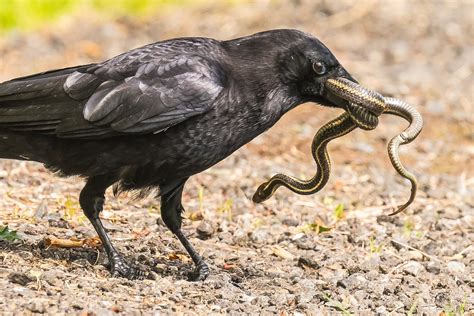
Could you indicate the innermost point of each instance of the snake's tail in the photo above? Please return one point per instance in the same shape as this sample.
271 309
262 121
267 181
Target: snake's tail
393 147
409 113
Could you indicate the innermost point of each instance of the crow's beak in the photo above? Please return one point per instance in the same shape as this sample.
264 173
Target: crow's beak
333 99
341 72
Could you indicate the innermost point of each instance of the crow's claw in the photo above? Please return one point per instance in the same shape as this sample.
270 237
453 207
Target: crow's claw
120 268
200 273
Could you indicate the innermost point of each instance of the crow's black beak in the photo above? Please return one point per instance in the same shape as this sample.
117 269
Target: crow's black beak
333 99
341 72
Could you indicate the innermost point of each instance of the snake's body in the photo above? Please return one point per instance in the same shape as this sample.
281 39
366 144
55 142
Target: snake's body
364 107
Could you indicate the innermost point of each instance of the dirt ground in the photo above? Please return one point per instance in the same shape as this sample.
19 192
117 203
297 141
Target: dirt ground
269 258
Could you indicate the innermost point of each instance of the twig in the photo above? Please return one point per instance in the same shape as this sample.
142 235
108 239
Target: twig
369 211
397 267
413 248
394 254
396 309
461 252
97 259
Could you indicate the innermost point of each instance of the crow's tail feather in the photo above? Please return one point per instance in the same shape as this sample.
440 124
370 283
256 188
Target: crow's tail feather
23 146
37 102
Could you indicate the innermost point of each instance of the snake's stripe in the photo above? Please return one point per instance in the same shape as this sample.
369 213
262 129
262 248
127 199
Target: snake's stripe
363 108
355 93
334 129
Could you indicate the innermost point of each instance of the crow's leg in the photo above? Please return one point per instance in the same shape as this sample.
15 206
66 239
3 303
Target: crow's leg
92 202
171 209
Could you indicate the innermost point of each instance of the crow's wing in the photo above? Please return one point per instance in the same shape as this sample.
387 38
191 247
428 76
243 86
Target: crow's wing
138 92
160 94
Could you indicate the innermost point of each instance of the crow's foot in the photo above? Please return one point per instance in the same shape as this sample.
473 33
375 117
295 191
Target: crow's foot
120 268
200 273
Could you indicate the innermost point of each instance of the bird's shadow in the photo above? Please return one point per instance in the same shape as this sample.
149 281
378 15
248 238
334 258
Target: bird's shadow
89 257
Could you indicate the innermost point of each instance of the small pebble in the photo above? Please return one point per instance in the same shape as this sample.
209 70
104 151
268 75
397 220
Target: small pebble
414 255
37 306
204 230
441 299
259 236
456 267
414 268
381 310
305 297
290 221
19 278
304 243
53 277
308 262
433 267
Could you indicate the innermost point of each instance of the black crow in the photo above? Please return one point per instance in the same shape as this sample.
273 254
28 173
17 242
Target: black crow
156 115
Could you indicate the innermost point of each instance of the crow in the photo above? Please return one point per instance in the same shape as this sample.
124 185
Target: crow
154 116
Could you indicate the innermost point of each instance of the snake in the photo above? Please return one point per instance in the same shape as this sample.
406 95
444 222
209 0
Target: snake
363 107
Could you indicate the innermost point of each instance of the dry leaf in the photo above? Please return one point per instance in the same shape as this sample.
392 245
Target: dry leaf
93 242
140 234
228 266
178 256
196 216
282 253
62 243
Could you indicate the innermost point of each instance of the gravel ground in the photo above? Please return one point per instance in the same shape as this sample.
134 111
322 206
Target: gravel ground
271 258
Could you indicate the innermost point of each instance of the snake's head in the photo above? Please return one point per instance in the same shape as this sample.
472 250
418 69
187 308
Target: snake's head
260 195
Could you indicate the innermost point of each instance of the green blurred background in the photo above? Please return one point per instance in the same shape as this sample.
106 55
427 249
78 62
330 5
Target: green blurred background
29 14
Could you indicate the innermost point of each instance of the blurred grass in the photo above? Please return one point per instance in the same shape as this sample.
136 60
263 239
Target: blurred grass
29 14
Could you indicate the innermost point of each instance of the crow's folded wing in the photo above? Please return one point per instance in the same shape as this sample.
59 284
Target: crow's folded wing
159 95
129 94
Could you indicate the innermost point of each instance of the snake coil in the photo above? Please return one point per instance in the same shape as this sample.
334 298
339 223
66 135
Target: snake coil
363 108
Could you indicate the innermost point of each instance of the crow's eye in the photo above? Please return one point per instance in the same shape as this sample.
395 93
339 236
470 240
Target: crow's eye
319 68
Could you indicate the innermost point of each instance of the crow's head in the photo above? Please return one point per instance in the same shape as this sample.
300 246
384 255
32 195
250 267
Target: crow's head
305 64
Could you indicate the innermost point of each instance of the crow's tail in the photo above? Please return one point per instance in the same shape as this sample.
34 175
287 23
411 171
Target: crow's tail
37 103
24 146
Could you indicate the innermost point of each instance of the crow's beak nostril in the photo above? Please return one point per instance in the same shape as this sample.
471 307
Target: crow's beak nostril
341 72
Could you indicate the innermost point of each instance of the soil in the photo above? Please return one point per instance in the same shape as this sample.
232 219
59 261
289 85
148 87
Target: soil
275 257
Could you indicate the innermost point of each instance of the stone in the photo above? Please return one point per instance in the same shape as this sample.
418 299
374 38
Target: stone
240 236
53 277
413 268
19 278
37 306
433 267
289 221
204 230
305 297
308 262
259 236
414 255
456 267
304 243
381 310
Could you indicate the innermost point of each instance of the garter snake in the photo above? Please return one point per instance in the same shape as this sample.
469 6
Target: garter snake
363 108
